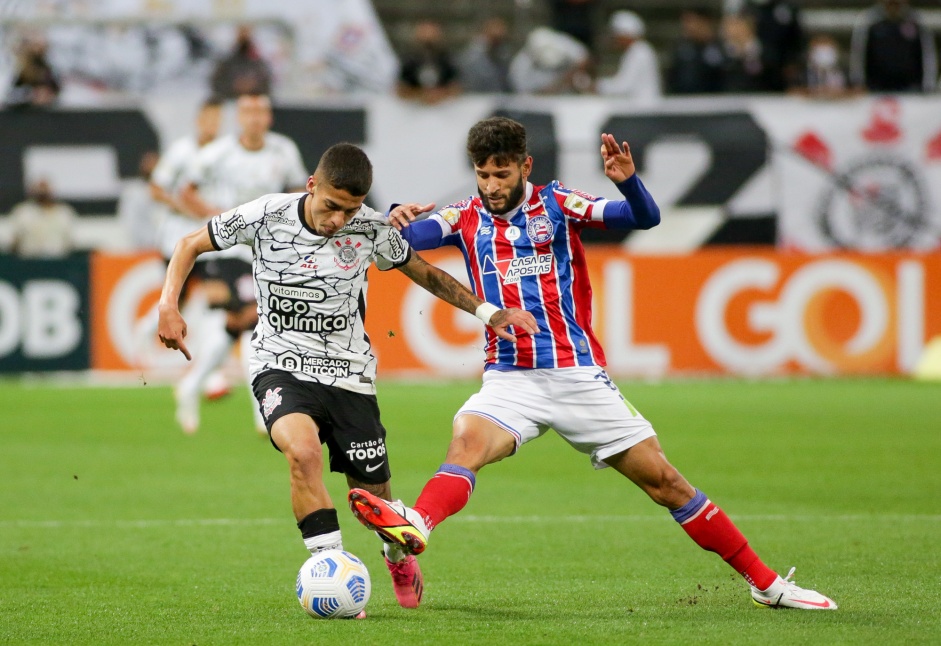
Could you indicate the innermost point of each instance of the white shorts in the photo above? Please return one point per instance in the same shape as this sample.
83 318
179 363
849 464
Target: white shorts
581 404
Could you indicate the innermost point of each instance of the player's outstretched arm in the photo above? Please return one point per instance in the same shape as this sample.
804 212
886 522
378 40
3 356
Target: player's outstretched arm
171 328
445 287
638 210
404 214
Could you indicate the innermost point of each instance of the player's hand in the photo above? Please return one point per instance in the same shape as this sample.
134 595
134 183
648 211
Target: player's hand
618 163
171 329
503 319
403 214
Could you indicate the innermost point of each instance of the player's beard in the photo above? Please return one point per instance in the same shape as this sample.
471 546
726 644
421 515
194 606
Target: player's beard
513 200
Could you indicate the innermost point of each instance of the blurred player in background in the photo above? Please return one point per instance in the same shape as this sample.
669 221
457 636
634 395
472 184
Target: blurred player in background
233 170
313 371
522 248
173 220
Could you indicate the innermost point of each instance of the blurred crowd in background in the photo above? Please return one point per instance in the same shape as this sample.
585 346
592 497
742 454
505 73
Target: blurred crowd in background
55 53
578 47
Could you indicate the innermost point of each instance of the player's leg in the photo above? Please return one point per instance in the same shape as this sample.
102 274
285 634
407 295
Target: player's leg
591 414
358 449
488 427
241 315
290 410
476 442
646 465
215 344
298 437
408 583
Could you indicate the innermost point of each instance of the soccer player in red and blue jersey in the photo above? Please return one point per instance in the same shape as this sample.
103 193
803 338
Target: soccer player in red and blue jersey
522 249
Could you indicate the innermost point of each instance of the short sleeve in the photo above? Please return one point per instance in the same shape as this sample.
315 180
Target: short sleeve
449 217
391 249
577 205
239 225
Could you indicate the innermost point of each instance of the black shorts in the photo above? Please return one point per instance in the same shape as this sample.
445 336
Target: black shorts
237 276
349 422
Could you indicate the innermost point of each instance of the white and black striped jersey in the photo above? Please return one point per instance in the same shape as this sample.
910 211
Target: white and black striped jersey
311 290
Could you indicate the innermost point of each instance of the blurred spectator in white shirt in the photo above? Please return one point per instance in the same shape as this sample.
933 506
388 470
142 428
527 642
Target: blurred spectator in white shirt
638 74
42 226
484 66
550 62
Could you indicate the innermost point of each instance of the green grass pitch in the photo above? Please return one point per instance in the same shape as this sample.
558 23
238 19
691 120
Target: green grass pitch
117 529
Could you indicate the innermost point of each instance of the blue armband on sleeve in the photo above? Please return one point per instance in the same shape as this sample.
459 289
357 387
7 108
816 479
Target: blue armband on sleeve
423 235
636 211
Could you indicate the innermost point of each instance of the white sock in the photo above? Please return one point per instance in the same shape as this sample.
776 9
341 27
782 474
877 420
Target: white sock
214 346
394 552
330 541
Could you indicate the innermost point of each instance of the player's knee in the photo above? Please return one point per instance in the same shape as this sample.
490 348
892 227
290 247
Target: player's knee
475 444
303 455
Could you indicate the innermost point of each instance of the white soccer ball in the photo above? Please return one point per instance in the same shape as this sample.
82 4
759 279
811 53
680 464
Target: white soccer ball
333 584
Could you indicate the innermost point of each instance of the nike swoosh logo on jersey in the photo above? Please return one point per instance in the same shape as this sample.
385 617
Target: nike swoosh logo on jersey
274 248
370 468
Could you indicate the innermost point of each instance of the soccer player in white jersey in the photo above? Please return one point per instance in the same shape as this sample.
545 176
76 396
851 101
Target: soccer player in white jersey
313 372
522 249
174 220
233 170
169 177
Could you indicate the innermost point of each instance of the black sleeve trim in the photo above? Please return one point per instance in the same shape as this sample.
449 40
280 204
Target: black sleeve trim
408 257
212 237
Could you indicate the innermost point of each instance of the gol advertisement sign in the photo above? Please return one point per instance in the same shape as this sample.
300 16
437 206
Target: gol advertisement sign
727 311
724 311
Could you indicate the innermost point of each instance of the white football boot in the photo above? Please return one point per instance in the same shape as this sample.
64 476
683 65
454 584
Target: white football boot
784 593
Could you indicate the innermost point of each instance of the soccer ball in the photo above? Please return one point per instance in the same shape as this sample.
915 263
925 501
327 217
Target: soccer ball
333 584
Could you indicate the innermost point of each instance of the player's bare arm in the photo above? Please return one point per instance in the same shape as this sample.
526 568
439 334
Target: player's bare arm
618 162
171 327
403 214
445 287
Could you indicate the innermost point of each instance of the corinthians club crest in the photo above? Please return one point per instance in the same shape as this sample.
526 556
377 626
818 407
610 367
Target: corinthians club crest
346 255
878 198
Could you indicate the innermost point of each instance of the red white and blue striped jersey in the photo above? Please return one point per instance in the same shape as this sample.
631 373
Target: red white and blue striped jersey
532 259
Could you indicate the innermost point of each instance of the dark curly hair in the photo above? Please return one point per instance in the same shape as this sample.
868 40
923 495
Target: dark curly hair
497 138
346 167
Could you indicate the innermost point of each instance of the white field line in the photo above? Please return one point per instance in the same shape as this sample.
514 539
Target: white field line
510 520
